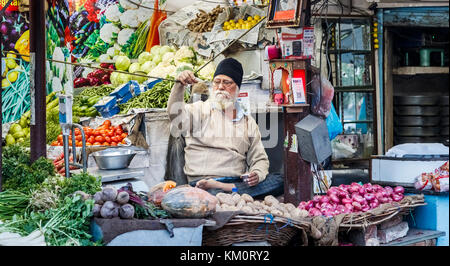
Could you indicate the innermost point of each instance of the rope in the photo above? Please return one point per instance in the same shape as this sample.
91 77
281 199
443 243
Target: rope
269 215
289 222
94 67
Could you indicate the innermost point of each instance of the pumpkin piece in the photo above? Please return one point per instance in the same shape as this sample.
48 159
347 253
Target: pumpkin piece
169 185
189 202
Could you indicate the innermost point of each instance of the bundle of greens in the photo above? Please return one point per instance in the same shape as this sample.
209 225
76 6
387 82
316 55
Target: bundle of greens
12 203
80 182
66 225
21 175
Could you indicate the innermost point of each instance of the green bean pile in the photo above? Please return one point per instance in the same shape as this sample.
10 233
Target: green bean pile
156 97
102 90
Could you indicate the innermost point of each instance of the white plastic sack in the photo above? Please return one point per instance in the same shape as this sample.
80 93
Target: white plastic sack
418 149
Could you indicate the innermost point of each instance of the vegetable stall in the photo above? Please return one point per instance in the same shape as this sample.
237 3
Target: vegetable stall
112 64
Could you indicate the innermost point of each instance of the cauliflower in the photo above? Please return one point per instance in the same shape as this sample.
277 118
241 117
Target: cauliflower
208 71
129 18
144 14
162 72
109 32
124 35
168 57
112 13
171 71
184 52
184 66
128 5
164 64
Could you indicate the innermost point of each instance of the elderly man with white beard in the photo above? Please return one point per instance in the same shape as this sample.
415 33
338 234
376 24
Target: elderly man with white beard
223 145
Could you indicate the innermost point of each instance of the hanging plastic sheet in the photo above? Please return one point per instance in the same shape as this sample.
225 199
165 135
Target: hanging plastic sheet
334 124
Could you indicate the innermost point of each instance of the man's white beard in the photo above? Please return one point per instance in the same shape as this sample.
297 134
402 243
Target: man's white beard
224 100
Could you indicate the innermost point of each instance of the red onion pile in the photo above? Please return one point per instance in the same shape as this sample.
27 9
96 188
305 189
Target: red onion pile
351 199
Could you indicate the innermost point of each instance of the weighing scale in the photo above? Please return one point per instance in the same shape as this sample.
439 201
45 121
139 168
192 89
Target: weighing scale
120 177
117 178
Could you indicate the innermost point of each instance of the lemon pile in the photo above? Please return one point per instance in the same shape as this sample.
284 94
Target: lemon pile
241 24
12 76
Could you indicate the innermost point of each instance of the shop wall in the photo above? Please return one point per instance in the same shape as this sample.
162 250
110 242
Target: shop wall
15 83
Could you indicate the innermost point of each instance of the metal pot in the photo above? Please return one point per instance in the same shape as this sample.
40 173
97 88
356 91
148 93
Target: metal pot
416 100
444 131
116 158
417 120
417 110
444 100
444 121
417 131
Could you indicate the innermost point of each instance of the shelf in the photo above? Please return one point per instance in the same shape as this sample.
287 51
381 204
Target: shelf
414 70
414 236
288 60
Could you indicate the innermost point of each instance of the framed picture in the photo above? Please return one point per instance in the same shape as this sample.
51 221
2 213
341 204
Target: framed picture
285 13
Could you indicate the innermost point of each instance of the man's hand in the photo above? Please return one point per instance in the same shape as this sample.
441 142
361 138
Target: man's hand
186 77
253 179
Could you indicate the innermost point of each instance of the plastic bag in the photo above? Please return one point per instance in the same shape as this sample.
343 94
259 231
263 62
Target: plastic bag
334 124
440 178
323 93
156 19
423 182
437 180
175 160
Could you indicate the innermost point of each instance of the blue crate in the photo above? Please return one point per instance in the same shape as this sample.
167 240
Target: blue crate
134 88
125 98
106 103
106 113
121 91
153 83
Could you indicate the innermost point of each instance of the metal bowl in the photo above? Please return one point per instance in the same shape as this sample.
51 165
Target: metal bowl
416 100
417 131
417 120
111 159
417 110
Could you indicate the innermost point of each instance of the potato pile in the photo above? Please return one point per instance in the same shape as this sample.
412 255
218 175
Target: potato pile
245 203
204 22
108 204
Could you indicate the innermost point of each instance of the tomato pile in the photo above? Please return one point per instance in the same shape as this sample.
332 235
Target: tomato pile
104 135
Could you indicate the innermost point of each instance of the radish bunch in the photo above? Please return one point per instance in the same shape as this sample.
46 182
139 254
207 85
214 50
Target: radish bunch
351 199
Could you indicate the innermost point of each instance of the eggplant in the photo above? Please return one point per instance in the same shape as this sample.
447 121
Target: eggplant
91 27
81 22
85 50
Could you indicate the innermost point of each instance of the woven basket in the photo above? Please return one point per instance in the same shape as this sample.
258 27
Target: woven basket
383 213
251 229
